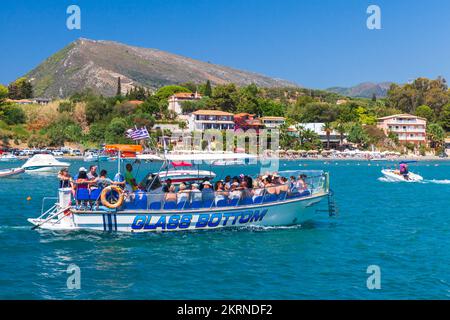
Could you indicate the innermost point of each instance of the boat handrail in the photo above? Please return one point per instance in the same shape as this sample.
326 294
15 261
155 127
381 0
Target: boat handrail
197 199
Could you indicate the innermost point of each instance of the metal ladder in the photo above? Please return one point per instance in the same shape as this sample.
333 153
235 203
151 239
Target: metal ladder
332 207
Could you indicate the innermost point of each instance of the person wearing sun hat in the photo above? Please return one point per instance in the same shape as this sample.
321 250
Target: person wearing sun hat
196 194
207 191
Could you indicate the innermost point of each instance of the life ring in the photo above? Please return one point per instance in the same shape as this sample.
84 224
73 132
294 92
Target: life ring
118 202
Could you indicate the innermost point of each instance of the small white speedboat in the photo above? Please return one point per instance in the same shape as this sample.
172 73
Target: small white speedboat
233 162
11 172
8 157
395 176
44 163
90 157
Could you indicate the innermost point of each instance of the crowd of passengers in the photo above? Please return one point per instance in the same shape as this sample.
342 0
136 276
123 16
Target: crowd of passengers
230 189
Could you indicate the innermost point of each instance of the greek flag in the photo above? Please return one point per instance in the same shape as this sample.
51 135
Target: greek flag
138 134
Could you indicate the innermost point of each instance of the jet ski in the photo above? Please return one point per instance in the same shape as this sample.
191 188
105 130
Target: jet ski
395 176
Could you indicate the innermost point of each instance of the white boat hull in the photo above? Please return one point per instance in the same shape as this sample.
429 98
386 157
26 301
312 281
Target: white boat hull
52 169
11 172
290 212
394 176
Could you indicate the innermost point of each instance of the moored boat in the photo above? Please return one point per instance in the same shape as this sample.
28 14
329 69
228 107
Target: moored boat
11 172
8 157
44 163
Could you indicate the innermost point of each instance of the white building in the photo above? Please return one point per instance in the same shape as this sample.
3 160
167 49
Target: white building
273 122
408 128
318 128
211 119
176 100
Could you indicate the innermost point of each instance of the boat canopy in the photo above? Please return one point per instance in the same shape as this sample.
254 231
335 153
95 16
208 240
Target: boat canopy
126 150
124 147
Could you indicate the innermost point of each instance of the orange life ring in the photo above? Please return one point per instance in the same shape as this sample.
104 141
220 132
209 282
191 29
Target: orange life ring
105 201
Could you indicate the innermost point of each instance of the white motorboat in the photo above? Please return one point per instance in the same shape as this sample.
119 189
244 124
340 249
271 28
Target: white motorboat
395 176
233 162
44 163
8 157
11 172
90 157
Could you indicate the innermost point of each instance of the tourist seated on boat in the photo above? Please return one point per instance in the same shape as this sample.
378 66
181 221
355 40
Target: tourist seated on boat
167 185
130 181
119 180
207 192
246 192
249 182
75 178
65 180
81 183
103 181
183 193
283 188
269 186
292 184
170 195
220 193
235 193
301 183
92 174
195 193
227 183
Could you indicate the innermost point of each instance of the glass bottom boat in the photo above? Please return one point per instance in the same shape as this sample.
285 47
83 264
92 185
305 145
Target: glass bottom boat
150 209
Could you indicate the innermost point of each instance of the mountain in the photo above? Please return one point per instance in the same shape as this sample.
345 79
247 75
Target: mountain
364 90
94 64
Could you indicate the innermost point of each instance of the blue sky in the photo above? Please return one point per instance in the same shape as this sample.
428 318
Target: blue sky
315 43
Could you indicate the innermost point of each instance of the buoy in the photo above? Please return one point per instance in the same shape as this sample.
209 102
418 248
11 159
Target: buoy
28 198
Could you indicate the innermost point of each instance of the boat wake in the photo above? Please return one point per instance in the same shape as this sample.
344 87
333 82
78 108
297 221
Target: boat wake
444 181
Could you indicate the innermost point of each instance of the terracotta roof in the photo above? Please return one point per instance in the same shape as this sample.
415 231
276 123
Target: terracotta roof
272 118
212 113
243 114
402 115
185 95
137 102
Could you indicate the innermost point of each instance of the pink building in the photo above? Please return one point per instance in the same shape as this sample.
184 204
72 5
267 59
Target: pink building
407 127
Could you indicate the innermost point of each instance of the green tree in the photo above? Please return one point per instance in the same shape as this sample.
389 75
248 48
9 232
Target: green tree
3 93
115 132
12 114
20 89
97 109
224 98
119 87
327 127
426 112
163 93
340 128
208 89
357 134
436 135
150 106
445 117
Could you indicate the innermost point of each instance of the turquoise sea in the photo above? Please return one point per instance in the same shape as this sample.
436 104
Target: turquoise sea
404 228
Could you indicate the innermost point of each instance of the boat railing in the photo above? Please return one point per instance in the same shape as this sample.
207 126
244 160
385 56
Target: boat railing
197 199
201 199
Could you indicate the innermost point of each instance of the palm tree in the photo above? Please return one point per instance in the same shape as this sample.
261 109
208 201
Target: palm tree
328 129
340 128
